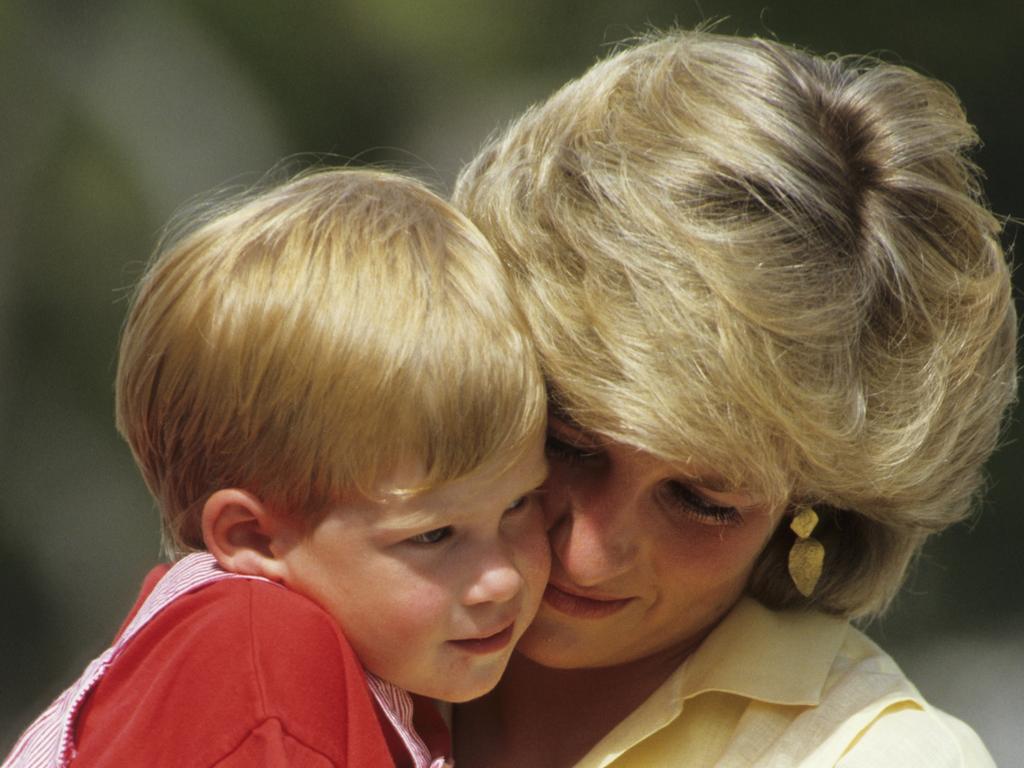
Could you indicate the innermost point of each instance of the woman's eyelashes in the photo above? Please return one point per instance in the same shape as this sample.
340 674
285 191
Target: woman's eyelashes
681 497
564 450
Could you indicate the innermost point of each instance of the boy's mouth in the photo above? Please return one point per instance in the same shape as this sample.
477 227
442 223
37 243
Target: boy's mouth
487 644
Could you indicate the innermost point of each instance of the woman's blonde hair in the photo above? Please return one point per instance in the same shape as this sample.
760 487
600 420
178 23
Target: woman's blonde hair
304 341
775 264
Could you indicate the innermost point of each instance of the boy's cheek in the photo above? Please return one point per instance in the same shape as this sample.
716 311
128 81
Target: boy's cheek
399 627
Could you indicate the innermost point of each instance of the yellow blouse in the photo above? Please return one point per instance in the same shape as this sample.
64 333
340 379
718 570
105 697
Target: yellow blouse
788 689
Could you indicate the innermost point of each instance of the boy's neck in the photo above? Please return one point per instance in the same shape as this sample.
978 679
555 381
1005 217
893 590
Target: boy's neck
550 718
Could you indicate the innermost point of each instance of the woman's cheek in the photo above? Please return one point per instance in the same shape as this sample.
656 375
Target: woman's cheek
717 554
531 549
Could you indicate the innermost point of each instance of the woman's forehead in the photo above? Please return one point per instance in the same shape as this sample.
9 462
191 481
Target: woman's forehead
690 466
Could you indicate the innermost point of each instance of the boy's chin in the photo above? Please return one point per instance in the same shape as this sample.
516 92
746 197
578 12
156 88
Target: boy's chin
469 696
467 690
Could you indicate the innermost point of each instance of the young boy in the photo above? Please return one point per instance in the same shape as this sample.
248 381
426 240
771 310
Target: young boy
332 397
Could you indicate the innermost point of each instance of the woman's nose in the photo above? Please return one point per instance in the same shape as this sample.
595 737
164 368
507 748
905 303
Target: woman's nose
593 532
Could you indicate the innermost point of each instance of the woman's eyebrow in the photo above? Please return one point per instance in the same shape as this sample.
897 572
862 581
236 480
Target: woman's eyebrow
704 477
565 420
712 483
556 411
717 484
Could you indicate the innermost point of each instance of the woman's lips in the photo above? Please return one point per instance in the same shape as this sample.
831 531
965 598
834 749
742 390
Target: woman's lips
583 607
489 644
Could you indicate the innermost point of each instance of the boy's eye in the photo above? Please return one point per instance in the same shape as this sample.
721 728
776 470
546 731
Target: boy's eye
432 537
517 504
523 502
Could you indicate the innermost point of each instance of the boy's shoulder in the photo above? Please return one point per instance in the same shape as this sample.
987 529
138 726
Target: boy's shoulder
252 611
218 664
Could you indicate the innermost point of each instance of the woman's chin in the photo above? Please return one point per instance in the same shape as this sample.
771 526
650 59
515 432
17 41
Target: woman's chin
550 642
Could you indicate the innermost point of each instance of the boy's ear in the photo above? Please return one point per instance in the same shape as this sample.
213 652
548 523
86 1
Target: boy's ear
242 533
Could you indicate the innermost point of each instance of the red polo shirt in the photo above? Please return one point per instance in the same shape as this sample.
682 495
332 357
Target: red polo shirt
237 673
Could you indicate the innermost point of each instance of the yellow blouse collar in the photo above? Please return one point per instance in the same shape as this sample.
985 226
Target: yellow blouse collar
780 658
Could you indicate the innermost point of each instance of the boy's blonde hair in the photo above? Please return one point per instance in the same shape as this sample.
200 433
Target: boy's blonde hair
303 342
774 264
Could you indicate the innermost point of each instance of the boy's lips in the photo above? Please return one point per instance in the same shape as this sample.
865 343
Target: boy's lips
491 643
582 606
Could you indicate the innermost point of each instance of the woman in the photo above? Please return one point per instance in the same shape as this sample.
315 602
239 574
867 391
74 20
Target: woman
777 327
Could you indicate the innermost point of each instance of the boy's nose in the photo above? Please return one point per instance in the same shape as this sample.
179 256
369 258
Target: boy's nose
497 581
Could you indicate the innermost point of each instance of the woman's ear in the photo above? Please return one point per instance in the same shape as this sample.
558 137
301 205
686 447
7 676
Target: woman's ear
241 532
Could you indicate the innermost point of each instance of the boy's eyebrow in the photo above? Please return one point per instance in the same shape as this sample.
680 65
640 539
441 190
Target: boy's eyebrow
399 521
417 518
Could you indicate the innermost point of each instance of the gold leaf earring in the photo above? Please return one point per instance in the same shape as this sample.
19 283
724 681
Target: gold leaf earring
808 554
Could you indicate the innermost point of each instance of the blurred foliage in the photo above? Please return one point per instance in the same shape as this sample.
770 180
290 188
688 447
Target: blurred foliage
116 114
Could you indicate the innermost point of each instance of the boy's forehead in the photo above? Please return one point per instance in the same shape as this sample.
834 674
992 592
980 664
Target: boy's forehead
396 506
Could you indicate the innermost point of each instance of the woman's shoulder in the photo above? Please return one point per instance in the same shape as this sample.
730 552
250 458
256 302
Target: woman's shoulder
916 734
881 718
818 692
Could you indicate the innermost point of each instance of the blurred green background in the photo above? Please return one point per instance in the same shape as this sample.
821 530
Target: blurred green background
115 113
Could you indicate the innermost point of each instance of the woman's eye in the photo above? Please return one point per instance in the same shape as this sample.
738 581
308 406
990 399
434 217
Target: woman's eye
432 537
565 451
683 497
